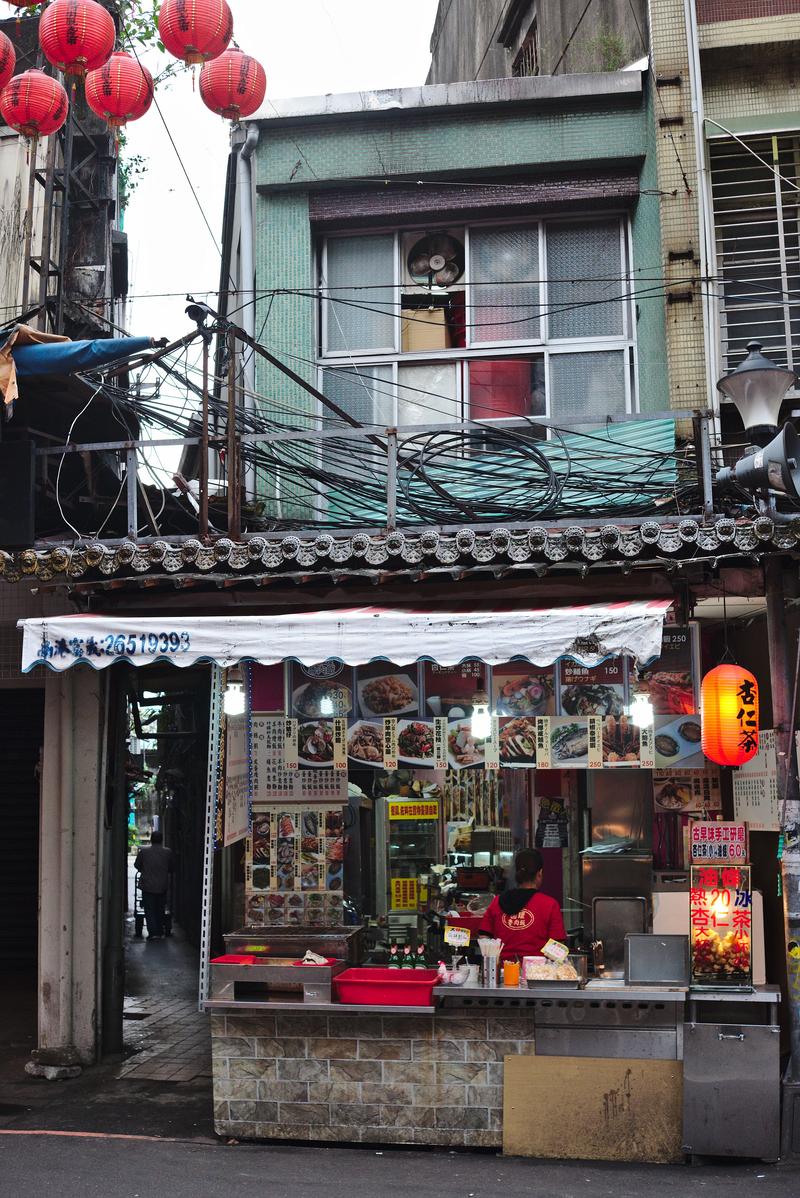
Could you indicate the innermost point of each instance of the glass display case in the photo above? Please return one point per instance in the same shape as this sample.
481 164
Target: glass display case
407 834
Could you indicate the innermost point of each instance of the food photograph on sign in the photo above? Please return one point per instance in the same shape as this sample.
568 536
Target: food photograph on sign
678 741
415 742
569 743
386 690
315 743
621 741
596 691
365 743
519 689
321 691
518 741
464 749
670 680
688 791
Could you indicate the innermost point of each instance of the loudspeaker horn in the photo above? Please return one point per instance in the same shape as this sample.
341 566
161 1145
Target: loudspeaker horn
776 467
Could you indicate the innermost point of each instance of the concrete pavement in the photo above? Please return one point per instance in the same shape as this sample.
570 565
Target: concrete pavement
77 1166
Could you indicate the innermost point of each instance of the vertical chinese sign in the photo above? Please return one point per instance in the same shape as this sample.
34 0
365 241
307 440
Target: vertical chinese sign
721 923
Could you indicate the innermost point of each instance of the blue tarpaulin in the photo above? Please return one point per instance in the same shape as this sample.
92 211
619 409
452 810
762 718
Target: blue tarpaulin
67 357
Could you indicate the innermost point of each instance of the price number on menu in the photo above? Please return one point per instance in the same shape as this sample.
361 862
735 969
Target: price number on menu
290 744
491 750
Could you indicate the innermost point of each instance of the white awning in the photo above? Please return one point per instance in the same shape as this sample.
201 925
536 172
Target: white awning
355 636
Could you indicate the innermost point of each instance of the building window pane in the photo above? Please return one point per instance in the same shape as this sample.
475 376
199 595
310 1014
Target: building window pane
584 271
428 394
504 274
365 393
359 302
511 387
590 385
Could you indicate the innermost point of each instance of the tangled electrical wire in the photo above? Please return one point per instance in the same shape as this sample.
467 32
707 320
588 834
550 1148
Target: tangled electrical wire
479 473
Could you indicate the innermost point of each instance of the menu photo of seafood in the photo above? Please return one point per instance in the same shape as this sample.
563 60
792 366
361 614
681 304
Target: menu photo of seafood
365 743
621 741
599 690
518 741
519 689
315 743
678 740
321 691
670 680
463 749
387 691
566 744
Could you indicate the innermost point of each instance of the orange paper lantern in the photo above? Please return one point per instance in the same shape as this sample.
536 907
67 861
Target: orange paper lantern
195 30
233 85
77 35
729 715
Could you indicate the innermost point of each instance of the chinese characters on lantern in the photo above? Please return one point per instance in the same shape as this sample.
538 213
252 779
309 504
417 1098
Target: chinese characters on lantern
747 715
720 916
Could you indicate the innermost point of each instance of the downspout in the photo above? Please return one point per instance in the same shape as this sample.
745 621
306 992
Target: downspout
247 279
704 212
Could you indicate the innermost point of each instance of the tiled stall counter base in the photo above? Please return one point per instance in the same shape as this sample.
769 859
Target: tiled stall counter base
405 1079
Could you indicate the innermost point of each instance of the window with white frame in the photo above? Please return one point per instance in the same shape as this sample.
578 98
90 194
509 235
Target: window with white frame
755 184
425 326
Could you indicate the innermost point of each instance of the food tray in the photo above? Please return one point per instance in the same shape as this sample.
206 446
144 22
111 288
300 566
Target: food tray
379 986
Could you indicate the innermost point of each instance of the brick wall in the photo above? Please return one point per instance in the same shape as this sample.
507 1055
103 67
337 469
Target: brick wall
394 1079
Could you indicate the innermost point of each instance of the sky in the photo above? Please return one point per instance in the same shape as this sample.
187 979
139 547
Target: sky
307 47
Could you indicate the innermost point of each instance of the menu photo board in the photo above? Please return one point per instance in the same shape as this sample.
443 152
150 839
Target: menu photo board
599 690
449 690
687 791
383 689
569 742
273 780
522 690
294 866
721 919
670 682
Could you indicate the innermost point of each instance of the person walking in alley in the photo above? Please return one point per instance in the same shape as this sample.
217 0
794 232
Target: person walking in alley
156 864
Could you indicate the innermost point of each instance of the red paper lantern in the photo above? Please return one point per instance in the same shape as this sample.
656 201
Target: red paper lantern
729 715
8 59
77 35
233 85
33 104
195 30
121 91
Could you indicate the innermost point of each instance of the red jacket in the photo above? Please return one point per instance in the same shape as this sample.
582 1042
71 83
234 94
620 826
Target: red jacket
526 933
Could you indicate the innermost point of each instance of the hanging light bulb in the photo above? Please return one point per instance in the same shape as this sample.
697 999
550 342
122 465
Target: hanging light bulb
640 711
233 701
481 722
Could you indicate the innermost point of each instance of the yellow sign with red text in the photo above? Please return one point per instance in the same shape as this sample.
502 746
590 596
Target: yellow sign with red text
413 809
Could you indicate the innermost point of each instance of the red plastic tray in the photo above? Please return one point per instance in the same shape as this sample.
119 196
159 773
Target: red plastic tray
234 959
379 986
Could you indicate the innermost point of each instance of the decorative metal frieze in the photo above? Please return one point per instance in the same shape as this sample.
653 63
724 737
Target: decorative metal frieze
299 555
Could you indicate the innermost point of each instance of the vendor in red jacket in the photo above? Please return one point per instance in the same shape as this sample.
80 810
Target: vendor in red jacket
524 918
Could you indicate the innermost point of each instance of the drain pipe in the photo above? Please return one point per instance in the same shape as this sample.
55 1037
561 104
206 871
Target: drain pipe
247 278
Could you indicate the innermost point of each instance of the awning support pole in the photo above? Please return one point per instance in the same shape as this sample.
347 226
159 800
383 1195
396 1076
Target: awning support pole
702 454
391 479
203 472
214 727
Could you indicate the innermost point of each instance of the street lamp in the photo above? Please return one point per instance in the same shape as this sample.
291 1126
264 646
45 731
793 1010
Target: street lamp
757 387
